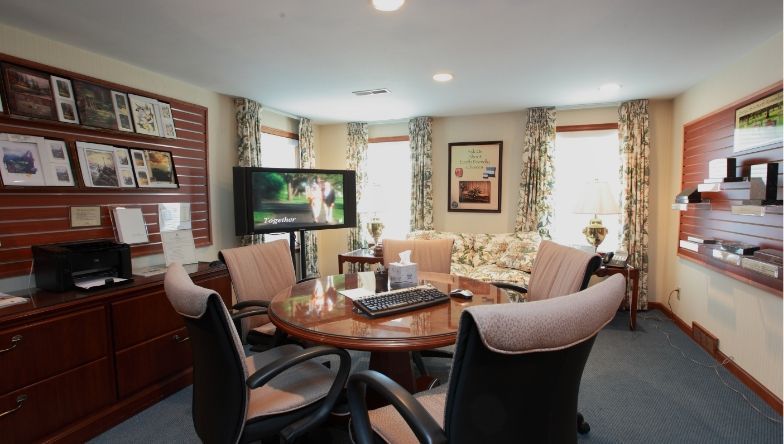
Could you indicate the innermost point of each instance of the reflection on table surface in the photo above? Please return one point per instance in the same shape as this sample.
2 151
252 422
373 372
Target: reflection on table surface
316 309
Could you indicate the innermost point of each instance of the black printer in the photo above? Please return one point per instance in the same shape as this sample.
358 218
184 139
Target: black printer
59 267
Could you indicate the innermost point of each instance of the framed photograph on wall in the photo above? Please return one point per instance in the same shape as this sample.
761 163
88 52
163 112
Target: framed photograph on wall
99 165
167 121
145 118
56 164
95 105
20 160
29 92
154 169
122 110
64 100
759 124
474 183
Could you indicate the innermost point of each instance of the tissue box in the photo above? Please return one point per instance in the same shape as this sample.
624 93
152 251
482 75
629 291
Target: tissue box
401 275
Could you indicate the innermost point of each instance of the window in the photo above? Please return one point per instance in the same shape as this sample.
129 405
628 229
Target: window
578 158
278 152
388 191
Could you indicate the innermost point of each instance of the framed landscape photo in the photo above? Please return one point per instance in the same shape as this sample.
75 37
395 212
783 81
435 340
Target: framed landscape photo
95 105
474 182
20 161
56 164
154 169
64 100
99 165
29 92
122 111
759 124
167 121
145 118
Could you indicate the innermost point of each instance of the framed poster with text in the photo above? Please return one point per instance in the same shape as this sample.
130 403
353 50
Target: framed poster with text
475 177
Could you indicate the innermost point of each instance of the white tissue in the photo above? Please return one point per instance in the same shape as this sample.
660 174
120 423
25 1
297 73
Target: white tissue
405 257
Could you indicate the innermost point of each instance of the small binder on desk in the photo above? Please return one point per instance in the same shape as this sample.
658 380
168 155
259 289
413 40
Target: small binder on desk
129 225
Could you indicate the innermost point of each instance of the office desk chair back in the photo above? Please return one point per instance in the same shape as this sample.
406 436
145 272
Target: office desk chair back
281 391
559 270
515 377
430 255
258 272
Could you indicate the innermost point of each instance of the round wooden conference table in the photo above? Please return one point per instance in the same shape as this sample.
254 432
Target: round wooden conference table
316 311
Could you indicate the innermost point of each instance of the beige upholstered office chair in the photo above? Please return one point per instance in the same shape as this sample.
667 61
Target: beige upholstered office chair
507 385
430 255
258 272
281 391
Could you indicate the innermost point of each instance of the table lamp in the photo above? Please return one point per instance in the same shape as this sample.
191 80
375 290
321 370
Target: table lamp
596 199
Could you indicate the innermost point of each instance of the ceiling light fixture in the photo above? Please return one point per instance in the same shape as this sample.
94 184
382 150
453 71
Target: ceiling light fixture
388 5
610 88
443 77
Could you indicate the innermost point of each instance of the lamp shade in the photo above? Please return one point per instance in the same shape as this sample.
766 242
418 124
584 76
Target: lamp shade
597 198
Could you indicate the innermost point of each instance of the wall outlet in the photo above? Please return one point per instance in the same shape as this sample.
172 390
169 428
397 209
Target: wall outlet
706 340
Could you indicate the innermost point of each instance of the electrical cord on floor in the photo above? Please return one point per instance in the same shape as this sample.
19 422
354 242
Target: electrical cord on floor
714 367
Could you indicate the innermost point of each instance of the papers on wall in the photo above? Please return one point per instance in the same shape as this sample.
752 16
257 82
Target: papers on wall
129 224
174 216
178 246
6 300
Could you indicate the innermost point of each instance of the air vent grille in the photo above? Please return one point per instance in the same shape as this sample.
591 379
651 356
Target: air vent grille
371 92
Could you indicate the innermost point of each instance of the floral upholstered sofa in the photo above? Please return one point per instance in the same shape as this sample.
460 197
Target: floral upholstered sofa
503 257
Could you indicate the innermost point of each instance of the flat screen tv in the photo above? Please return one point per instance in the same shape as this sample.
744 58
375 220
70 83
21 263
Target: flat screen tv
275 200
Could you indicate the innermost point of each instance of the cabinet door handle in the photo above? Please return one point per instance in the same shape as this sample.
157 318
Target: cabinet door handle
14 342
19 401
180 340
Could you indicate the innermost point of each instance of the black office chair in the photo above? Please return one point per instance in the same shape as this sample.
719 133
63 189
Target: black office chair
506 385
281 391
558 270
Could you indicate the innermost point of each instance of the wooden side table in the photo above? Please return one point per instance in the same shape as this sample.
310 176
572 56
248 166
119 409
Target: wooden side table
362 256
632 276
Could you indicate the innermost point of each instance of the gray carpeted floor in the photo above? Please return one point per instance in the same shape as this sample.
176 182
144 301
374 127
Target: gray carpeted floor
636 388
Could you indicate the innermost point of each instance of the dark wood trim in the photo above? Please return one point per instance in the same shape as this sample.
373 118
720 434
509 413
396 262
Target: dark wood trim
749 381
279 132
588 127
389 139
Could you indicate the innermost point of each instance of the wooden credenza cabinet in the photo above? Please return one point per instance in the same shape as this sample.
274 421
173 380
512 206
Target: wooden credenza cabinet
74 364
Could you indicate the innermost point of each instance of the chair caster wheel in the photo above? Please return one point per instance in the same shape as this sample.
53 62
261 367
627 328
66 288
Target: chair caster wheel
582 426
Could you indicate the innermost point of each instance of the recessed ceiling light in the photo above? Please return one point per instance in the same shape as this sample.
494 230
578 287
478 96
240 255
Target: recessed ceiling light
443 77
388 5
610 87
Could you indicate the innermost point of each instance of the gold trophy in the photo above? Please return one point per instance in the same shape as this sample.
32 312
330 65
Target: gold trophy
375 228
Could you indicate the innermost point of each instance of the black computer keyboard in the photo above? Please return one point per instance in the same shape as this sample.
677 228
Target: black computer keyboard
398 301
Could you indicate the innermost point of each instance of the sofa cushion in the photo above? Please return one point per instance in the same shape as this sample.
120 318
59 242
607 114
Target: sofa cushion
462 249
494 273
520 252
488 248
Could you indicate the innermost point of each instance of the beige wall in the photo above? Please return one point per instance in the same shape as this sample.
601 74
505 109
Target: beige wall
747 321
222 130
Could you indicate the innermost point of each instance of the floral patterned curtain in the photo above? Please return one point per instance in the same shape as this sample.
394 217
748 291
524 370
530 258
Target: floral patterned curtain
307 159
356 152
249 148
635 176
420 136
536 180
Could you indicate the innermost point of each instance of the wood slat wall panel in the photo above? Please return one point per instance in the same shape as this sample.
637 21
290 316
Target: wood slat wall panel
712 137
40 215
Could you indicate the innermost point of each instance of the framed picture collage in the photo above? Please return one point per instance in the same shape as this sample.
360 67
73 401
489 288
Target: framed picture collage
40 95
32 161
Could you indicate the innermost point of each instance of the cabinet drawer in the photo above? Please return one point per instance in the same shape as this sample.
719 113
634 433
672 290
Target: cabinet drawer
141 318
56 402
43 349
149 362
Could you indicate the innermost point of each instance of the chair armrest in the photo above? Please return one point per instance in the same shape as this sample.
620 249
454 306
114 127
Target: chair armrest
510 286
266 373
250 303
422 424
248 312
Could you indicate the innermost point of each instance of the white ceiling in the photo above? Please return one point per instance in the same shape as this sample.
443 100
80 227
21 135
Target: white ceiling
305 57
